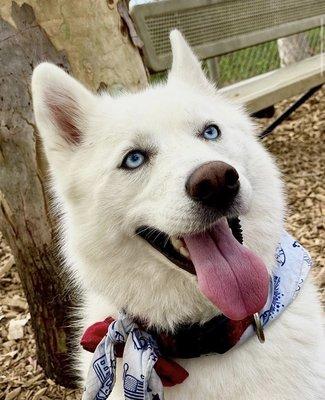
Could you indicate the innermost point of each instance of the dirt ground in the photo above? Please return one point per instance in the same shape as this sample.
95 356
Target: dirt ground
298 146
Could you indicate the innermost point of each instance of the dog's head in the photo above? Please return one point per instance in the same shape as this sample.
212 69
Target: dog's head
148 183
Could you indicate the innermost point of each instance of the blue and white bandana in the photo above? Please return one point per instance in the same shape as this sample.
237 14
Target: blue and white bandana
293 264
140 380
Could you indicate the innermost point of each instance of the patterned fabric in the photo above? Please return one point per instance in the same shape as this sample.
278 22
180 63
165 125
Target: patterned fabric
140 380
293 264
141 352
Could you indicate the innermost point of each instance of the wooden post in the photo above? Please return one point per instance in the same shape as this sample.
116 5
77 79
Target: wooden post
293 49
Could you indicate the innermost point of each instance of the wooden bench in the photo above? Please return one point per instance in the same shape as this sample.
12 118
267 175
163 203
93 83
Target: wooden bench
218 27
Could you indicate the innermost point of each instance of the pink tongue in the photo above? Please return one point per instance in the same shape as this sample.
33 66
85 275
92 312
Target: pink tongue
231 276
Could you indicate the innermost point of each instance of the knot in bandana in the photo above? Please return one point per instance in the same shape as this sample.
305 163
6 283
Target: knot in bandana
140 380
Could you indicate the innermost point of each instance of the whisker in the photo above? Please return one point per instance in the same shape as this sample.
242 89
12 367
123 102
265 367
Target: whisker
140 231
159 233
153 230
166 241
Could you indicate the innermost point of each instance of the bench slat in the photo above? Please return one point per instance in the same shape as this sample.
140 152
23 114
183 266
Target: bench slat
270 88
215 27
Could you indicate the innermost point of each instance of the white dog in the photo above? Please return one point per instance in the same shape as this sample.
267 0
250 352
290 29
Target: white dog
144 182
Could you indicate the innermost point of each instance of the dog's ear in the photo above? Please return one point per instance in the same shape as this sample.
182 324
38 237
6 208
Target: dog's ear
186 67
60 106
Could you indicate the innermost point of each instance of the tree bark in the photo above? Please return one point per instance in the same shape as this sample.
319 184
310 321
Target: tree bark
89 39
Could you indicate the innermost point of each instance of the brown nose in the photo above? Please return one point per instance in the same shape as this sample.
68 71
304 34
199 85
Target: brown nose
214 184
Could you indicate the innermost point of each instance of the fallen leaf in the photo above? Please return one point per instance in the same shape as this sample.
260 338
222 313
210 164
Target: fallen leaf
13 394
4 269
16 328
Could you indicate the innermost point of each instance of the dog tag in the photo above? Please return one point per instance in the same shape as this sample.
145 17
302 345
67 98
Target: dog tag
259 328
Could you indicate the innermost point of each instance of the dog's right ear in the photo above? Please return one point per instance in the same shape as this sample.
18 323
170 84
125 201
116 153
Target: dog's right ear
61 105
186 66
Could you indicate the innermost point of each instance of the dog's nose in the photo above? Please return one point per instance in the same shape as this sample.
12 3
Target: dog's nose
214 184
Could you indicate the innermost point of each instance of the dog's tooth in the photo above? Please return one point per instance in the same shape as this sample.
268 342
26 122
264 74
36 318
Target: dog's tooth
184 252
177 243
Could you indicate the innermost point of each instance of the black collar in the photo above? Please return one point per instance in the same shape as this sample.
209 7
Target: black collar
218 335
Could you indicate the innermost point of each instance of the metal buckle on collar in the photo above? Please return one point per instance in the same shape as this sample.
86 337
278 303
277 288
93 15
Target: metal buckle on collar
258 328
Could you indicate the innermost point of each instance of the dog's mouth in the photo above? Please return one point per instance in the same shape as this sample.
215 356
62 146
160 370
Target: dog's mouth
229 274
174 248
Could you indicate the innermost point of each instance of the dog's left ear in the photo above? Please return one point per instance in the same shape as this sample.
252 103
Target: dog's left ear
61 106
186 67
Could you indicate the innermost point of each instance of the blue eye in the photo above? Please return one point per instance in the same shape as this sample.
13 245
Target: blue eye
211 132
134 159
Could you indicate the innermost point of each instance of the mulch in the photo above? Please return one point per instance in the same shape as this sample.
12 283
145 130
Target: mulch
298 145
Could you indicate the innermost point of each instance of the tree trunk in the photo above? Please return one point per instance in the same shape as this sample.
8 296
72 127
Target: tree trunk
89 39
293 49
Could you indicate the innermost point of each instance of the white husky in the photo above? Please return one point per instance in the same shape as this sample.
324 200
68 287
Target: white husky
174 160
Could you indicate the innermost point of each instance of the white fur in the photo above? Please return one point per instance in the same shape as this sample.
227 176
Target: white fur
102 205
